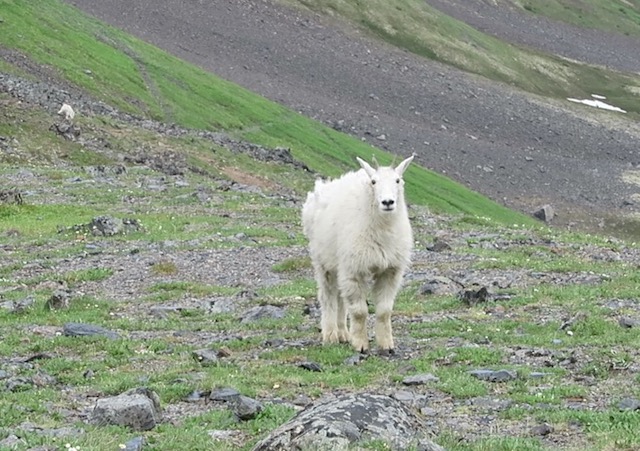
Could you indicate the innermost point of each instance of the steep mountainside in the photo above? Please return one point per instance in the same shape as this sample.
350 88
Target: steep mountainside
521 150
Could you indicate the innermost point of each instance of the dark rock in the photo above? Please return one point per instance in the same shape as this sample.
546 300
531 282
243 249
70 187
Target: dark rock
206 357
542 430
69 132
59 300
474 297
420 379
340 423
87 330
106 226
38 356
494 376
138 409
274 342
544 213
224 394
246 408
311 366
262 312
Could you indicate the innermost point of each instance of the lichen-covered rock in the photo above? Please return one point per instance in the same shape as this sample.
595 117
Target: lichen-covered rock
138 409
340 423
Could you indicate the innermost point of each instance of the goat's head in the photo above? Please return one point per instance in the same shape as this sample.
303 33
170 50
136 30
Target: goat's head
386 183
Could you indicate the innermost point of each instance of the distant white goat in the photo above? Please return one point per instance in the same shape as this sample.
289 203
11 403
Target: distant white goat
359 233
67 111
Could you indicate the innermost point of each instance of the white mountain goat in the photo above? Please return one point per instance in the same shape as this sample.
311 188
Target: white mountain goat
67 112
359 233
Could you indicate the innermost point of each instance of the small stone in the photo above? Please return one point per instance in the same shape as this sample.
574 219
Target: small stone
538 375
262 312
246 408
138 409
541 430
87 330
135 444
311 366
356 359
195 396
12 442
544 213
224 394
629 404
404 396
206 357
439 246
628 322
59 300
302 400
420 379
494 376
473 297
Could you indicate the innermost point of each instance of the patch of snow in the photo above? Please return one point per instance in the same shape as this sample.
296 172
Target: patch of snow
597 103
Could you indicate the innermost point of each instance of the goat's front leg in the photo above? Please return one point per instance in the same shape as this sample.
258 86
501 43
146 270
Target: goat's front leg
353 291
385 288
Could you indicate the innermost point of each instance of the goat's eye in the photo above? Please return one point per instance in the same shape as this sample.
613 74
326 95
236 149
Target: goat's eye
373 182
397 180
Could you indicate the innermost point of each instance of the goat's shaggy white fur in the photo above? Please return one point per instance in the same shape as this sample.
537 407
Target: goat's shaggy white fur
359 233
67 111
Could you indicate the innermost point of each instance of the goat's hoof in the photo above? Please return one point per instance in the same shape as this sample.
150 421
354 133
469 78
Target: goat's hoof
362 349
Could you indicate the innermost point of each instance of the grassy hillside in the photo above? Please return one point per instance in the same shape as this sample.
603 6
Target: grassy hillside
421 29
621 16
142 80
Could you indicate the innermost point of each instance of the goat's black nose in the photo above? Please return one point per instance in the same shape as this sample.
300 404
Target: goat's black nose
388 202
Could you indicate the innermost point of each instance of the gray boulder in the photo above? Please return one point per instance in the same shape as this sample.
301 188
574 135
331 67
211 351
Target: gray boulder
138 409
350 420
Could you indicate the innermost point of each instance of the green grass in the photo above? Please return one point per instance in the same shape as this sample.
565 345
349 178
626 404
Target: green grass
617 16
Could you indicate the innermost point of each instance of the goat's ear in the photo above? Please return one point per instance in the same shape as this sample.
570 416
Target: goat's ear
375 162
403 165
366 166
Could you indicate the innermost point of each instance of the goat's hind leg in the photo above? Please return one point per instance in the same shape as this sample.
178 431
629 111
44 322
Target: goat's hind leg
385 288
353 290
329 306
